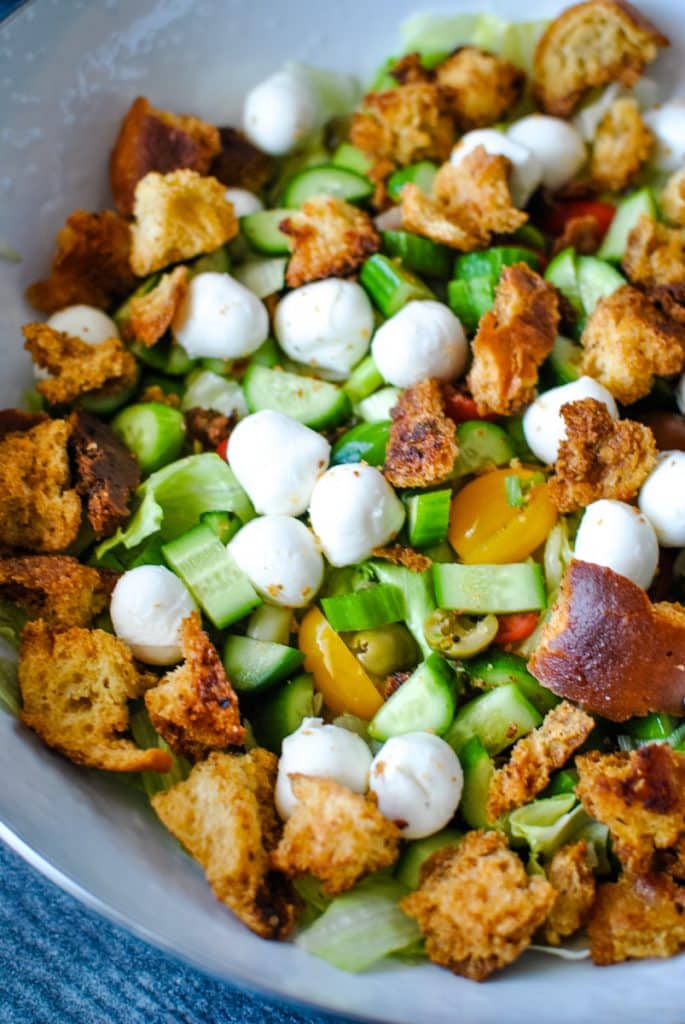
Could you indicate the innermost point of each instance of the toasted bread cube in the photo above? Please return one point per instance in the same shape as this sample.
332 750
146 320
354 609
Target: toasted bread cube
107 474
331 238
76 367
622 144
479 86
150 315
570 874
637 918
422 444
655 254
56 588
672 199
404 125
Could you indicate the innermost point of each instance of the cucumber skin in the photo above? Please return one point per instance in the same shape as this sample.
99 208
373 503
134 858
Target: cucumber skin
281 661
259 381
281 712
465 588
352 187
481 445
262 232
429 696
498 718
627 214
366 442
417 852
478 768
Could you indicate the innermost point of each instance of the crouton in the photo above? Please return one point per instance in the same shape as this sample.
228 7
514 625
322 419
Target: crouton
570 874
154 393
178 216
407 557
622 144
56 588
90 265
39 510
335 835
535 757
583 234
17 421
206 429
599 457
672 199
150 315
224 816
476 906
409 70
107 474
636 919
75 684
655 253
479 87
195 708
404 125
332 238
640 796
422 445
470 203
607 647
628 341
76 367
239 164
513 339
588 45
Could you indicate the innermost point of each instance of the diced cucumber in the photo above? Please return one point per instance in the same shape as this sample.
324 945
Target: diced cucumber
271 622
263 277
424 703
258 664
470 300
564 361
165 356
224 524
154 432
562 272
482 445
281 712
478 768
652 727
327 180
596 278
481 589
367 608
419 600
491 262
564 781
363 381
389 285
421 174
417 253
217 262
378 407
628 212
497 668
263 233
364 443
498 718
428 516
316 403
268 354
109 398
350 158
416 853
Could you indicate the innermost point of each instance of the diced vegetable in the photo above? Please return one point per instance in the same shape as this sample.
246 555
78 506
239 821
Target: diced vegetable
562 273
363 381
498 718
628 213
416 853
377 408
350 158
327 180
316 403
268 354
224 524
428 516
651 727
596 279
154 432
491 262
424 703
548 824
417 253
338 676
255 665
478 768
106 400
272 622
480 589
419 600
564 781
263 233
280 713
499 668
471 299
389 285
217 262
481 446
364 443
263 277
364 609
564 361
421 174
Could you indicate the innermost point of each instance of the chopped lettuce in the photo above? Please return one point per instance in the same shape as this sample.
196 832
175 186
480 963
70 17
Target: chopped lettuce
145 736
12 621
208 390
10 697
516 41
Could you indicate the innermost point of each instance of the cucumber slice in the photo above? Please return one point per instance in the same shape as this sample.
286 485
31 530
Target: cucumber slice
166 357
482 589
498 718
109 398
425 703
281 713
498 668
419 254
421 174
366 442
628 212
327 180
470 300
271 622
217 262
491 262
389 285
154 432
377 408
316 403
562 272
263 234
254 665
268 354
263 277
482 445
428 516
416 853
364 380
478 768
564 361
224 524
596 279
364 609
352 159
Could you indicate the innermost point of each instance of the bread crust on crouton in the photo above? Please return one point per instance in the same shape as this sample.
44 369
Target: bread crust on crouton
422 445
535 756
599 457
206 428
18 421
90 265
479 86
411 559
178 216
476 906
39 510
588 45
240 164
404 125
513 339
622 144
75 366
224 816
107 474
150 315
331 238
570 874
56 588
582 233
604 639
636 919
655 253
672 199
75 684
627 341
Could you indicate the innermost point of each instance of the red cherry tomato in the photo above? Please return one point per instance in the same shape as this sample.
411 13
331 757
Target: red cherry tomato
460 406
562 212
222 449
515 628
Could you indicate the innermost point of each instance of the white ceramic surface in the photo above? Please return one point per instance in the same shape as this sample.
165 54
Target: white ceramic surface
68 70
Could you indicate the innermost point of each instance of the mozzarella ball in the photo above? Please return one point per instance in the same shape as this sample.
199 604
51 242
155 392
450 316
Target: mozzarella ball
281 559
662 499
680 394
557 144
148 605
243 202
425 339
667 124
280 113
526 169
617 535
325 751
327 325
220 318
543 426
277 461
418 780
354 510
85 322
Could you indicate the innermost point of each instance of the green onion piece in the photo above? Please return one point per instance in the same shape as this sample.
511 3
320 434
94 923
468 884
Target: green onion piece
514 491
390 286
428 516
479 589
421 174
364 609
363 381
419 599
145 736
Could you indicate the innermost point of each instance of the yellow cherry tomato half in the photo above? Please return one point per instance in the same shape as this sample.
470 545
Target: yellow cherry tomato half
486 528
338 676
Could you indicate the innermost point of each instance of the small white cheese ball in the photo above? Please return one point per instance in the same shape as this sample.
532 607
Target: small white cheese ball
543 426
354 510
280 113
418 781
277 461
617 535
526 169
220 318
425 339
85 322
325 751
667 124
557 144
281 559
680 394
148 605
243 202
662 499
326 325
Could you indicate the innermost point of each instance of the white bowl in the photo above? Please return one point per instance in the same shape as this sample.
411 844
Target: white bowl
68 71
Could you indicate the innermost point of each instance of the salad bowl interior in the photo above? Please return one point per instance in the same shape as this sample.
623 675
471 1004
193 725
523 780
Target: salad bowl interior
67 74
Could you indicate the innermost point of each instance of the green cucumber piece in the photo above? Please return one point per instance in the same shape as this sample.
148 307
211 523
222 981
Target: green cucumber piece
166 357
478 768
367 608
421 174
628 213
562 272
271 622
419 600
481 589
224 524
470 300
154 432
378 407
109 398
482 445
498 668
327 180
366 442
654 726
596 279
417 253
564 781
217 262
281 712
498 718
268 354
389 285
263 277
408 868
424 703
352 159
254 665
363 381
316 403
491 262
262 231
428 516
564 361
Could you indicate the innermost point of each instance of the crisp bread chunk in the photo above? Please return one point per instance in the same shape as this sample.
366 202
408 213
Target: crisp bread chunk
672 199
150 315
107 474
239 164
622 145
56 588
655 253
582 233
480 88
404 125
422 444
570 874
18 421
637 918
331 238
76 367
410 558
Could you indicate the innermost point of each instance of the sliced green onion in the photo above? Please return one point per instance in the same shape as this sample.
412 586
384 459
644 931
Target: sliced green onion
364 609
363 381
421 174
390 286
479 589
417 590
428 516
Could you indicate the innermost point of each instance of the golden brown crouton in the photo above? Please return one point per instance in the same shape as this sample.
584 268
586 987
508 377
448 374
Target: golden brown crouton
332 238
107 474
404 125
154 393
156 140
582 233
628 341
408 557
476 906
470 203
178 216
195 708
38 510
607 647
570 874
640 796
672 199
622 144
224 815
409 70
240 164
591 44
599 457
150 315
513 339
480 87
536 756
655 253
422 445
637 918
56 588
90 265
335 835
75 685
206 428
76 367
17 421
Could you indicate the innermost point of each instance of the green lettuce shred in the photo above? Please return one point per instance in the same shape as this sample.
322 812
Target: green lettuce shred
146 736
515 41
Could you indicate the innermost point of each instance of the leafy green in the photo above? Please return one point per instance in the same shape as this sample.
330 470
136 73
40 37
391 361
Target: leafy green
10 697
145 736
12 621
